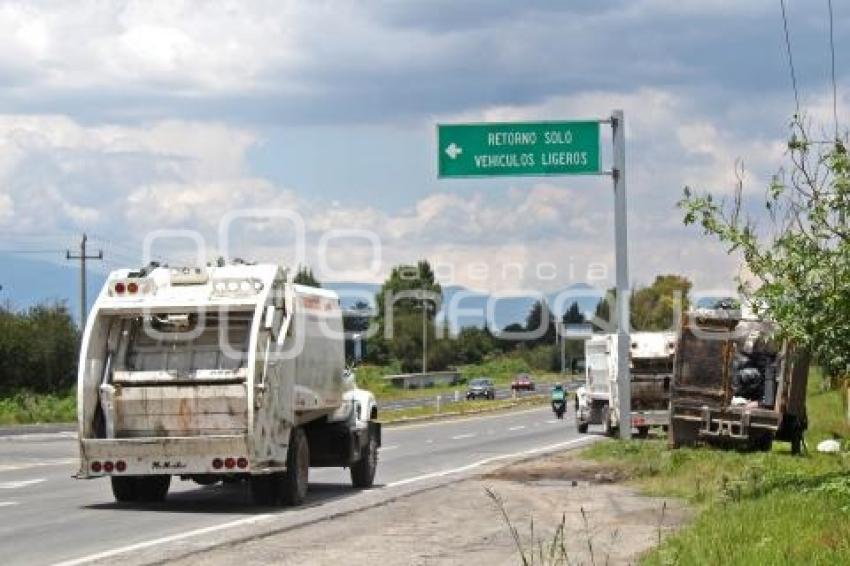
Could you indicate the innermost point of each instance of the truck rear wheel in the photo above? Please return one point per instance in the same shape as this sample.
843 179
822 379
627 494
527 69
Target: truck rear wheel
264 489
124 489
642 431
581 426
152 488
363 472
140 488
293 484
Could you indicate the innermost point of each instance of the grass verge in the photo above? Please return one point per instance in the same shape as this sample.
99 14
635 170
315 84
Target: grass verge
754 508
24 407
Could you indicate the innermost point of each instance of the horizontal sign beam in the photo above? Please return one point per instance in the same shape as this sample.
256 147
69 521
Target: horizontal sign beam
518 148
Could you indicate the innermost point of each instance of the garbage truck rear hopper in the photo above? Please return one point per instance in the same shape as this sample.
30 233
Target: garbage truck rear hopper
219 374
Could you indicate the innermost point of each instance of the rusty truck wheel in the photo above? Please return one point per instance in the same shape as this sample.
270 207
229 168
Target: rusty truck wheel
683 433
293 484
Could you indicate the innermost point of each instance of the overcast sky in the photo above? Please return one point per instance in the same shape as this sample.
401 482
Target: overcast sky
124 117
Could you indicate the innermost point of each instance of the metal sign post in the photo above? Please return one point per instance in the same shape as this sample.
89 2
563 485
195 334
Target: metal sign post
551 148
624 391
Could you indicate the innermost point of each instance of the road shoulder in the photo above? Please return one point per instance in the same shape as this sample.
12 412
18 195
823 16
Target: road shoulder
460 523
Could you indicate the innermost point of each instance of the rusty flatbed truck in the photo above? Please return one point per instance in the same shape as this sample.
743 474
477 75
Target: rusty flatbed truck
733 386
219 374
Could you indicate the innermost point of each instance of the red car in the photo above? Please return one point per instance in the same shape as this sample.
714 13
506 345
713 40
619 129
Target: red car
523 382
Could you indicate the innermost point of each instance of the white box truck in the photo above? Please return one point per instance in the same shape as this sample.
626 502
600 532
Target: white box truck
651 366
219 373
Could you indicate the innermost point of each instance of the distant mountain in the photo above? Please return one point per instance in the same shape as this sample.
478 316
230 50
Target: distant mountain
463 307
26 282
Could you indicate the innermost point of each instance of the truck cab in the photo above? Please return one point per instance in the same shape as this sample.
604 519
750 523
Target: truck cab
218 373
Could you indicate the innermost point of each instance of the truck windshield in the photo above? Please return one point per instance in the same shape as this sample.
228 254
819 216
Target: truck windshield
187 342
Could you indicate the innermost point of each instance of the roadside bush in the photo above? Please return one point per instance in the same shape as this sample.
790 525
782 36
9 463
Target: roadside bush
38 349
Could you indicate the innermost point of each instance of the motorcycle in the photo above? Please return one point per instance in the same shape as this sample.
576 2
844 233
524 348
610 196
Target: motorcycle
559 407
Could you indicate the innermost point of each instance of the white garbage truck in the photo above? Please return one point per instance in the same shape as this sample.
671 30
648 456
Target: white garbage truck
651 357
219 373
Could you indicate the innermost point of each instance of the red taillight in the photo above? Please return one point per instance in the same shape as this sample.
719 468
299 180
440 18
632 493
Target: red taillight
108 467
120 288
120 465
217 463
229 463
242 463
95 467
132 287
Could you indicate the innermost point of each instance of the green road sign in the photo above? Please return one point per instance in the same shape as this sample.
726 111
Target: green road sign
519 148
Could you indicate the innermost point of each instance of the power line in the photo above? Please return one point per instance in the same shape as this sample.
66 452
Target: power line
39 251
832 53
790 57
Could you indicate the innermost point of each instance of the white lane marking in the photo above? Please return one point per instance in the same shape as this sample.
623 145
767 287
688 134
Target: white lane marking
37 464
7 503
552 421
259 518
472 466
21 483
38 436
140 545
519 427
462 436
385 448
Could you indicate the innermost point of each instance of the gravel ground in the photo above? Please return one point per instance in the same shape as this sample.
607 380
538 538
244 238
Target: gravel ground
461 524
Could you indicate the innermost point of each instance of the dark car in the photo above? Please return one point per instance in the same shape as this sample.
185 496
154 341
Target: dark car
523 382
481 388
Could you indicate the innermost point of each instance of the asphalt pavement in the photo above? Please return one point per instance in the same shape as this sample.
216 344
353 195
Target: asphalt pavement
47 517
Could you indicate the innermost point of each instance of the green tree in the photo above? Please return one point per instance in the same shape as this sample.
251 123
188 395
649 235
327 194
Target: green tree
38 349
656 307
541 321
304 276
573 314
409 294
800 263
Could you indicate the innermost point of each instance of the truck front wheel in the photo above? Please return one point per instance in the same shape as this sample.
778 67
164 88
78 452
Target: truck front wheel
293 485
363 472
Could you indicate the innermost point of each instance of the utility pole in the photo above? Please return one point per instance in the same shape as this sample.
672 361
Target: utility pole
83 257
624 391
424 336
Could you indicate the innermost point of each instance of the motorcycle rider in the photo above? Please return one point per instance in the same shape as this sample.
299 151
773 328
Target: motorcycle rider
559 400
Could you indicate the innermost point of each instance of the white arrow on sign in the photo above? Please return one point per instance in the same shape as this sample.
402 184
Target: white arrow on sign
453 150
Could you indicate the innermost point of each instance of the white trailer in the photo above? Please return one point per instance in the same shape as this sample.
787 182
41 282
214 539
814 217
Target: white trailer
219 374
651 366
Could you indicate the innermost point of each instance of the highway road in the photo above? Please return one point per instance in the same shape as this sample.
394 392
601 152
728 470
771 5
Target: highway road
501 393
47 517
